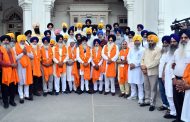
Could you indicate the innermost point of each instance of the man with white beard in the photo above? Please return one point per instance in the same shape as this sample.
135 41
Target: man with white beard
9 72
84 57
59 67
135 75
36 67
23 55
181 59
165 47
167 76
47 66
110 53
119 38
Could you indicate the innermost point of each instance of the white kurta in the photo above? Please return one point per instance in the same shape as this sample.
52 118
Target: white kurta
162 63
20 69
135 75
168 75
185 116
70 77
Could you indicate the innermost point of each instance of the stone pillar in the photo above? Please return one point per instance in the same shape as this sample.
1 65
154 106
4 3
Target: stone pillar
26 6
129 4
49 4
161 20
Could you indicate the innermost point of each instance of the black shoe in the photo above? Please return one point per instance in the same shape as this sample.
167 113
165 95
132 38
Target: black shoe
144 104
65 92
56 93
100 92
50 93
122 95
12 103
21 101
169 116
79 92
37 94
89 92
152 108
106 93
113 94
6 105
162 108
126 95
28 98
95 91
45 94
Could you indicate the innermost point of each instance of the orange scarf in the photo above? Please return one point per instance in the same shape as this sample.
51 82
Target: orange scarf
85 59
123 71
36 62
47 70
186 74
9 74
60 70
110 72
96 59
25 62
72 55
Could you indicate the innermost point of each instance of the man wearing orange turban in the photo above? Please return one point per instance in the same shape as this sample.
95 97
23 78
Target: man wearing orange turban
149 66
23 57
135 75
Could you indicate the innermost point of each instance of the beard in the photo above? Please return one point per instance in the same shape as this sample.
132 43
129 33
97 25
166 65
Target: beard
37 30
34 46
60 44
172 49
94 33
64 30
46 47
6 46
136 46
183 48
165 49
84 46
12 44
151 46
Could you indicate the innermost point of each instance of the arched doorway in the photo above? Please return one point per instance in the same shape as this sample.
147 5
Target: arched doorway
13 21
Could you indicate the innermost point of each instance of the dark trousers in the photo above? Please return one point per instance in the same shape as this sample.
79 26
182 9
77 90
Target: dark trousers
162 92
36 86
8 91
178 101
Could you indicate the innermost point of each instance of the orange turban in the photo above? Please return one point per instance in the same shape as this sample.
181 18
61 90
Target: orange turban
137 37
153 38
88 31
21 38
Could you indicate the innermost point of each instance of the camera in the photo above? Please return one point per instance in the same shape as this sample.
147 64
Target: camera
178 25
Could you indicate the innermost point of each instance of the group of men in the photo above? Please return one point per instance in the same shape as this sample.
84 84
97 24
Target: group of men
91 54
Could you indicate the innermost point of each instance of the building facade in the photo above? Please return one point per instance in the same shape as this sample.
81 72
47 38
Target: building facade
156 15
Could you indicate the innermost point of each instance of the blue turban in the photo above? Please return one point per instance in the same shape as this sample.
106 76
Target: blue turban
100 32
143 32
175 36
96 40
132 33
34 38
46 38
46 32
166 38
184 31
3 37
140 26
113 37
58 37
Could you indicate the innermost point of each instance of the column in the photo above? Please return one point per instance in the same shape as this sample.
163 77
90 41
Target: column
161 20
129 4
27 14
49 4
